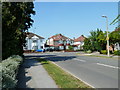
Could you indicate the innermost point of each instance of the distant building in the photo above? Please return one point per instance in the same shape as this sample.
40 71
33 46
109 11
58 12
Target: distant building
33 42
117 45
59 41
79 42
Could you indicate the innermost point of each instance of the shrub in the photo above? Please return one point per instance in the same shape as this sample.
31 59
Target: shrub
117 52
89 51
70 48
79 50
103 51
9 71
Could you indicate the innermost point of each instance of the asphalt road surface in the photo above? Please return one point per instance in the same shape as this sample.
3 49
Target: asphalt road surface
98 72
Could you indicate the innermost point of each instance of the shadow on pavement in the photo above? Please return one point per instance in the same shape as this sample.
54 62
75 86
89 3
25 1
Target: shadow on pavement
21 77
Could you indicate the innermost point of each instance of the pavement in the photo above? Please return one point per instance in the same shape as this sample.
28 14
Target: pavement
98 72
98 54
33 75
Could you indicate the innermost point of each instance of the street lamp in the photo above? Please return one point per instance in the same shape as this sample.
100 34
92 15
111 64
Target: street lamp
108 53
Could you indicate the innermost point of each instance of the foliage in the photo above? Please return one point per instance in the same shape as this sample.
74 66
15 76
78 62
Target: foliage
96 41
103 51
79 50
115 36
70 47
117 52
87 44
9 71
89 51
16 19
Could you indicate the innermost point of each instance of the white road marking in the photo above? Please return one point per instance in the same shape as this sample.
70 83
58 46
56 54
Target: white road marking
80 60
107 65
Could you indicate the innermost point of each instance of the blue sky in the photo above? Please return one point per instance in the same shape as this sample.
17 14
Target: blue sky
72 19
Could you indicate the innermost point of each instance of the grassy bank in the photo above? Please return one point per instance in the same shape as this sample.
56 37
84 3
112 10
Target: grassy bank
62 78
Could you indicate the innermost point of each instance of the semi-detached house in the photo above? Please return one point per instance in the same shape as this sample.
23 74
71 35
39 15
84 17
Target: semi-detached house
33 42
59 42
79 42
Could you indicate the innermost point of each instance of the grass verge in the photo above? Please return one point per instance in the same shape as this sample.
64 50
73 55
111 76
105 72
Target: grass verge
62 78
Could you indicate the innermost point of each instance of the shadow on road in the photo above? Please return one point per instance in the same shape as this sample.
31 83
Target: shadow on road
53 58
60 58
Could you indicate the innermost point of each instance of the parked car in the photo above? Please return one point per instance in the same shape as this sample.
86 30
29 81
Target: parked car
40 50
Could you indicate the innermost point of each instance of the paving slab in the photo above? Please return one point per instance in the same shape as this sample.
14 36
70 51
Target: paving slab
33 75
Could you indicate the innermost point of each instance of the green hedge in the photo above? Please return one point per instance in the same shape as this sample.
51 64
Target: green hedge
103 51
9 71
89 51
117 52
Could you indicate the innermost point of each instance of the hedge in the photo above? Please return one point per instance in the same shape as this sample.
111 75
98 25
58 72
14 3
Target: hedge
103 51
117 52
9 71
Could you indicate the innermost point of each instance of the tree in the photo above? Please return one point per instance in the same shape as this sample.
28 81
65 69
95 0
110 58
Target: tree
87 45
94 37
96 41
16 19
115 36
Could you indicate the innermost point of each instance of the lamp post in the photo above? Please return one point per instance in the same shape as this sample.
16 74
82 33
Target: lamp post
108 53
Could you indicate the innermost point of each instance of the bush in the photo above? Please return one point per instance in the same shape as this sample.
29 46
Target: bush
79 50
9 71
70 48
103 51
89 51
117 52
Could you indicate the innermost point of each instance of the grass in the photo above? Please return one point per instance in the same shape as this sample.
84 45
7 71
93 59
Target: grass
62 78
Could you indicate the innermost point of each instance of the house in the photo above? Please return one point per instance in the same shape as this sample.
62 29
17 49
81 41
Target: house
59 42
117 44
79 42
33 42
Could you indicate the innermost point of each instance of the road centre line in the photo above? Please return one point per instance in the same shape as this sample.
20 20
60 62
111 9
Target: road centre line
107 65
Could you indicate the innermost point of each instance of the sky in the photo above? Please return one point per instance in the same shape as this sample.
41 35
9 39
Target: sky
72 19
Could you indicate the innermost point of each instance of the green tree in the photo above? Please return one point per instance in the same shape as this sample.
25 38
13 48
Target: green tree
96 41
115 36
16 19
87 45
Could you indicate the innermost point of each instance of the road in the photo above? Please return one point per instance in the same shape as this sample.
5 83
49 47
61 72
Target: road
98 72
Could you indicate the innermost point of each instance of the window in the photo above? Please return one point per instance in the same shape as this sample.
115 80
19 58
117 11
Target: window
34 41
40 40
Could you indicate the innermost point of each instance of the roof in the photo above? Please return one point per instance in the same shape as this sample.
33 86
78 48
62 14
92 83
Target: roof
81 38
117 29
60 37
30 35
